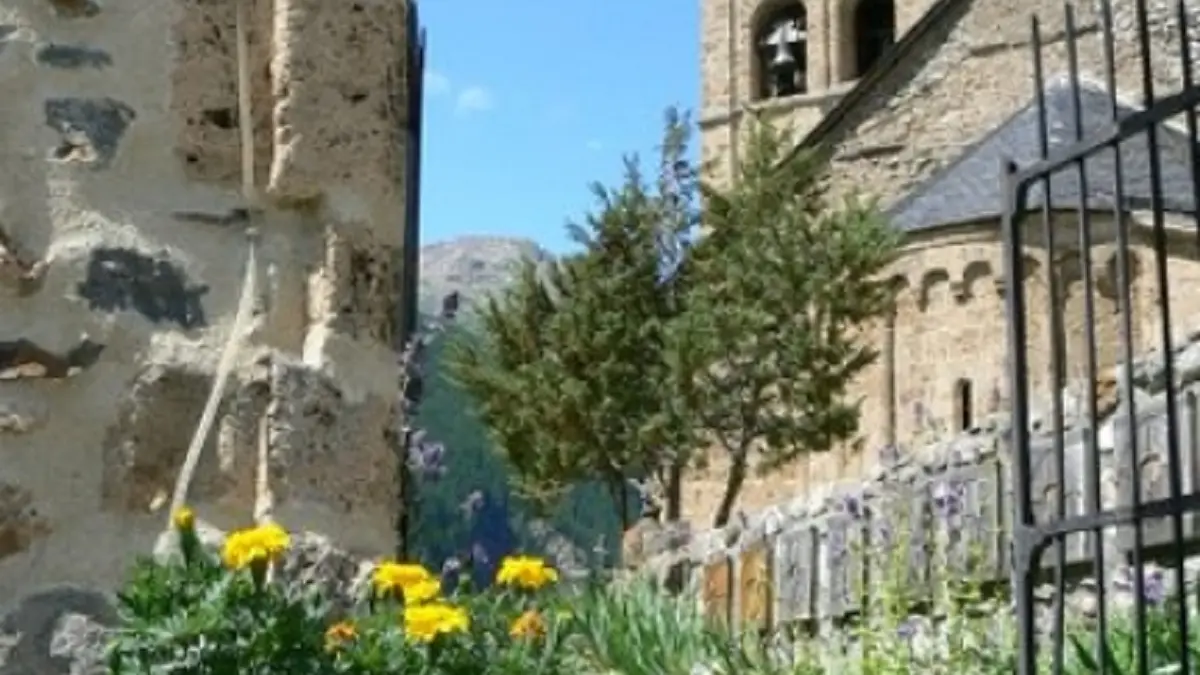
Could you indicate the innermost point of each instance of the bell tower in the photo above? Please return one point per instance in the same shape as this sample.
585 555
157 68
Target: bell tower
790 59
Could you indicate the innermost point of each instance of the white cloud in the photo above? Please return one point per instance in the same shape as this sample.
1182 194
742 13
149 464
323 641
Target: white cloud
436 84
473 99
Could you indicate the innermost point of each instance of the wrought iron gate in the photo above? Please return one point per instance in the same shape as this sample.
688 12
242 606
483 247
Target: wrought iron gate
1113 522
413 91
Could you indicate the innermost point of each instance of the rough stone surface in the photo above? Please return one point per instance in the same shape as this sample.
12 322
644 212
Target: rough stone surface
946 341
121 221
91 129
345 58
59 631
20 522
946 512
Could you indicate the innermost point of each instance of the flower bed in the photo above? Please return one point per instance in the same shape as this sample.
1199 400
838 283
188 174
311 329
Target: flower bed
225 613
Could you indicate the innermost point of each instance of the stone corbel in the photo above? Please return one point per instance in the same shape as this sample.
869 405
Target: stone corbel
1000 284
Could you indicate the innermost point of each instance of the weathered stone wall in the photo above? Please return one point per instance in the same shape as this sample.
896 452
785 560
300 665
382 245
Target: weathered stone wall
121 221
950 329
949 326
812 560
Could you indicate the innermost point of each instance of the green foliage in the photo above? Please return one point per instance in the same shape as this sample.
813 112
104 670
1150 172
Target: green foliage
196 617
781 285
192 616
623 360
638 629
569 375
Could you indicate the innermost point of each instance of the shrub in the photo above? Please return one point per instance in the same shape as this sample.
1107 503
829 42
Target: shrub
203 614
208 614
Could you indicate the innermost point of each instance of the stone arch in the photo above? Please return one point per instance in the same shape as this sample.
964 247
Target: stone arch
901 289
975 276
935 284
779 39
1108 281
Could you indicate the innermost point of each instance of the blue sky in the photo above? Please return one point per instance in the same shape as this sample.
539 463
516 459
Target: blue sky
527 101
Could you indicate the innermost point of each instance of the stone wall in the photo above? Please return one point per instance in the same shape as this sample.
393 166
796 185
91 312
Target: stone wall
123 241
946 340
813 561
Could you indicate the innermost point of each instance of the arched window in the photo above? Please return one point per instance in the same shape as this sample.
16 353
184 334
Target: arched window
781 46
963 408
874 32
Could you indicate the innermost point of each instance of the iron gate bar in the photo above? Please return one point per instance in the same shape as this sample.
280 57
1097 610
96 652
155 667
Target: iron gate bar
1174 462
1031 538
1091 440
1057 356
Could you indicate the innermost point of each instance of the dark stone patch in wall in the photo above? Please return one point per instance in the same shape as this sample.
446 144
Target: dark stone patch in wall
91 128
73 57
6 32
75 9
121 279
22 359
236 216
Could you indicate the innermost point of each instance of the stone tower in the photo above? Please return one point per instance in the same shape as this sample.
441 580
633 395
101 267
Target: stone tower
122 219
790 59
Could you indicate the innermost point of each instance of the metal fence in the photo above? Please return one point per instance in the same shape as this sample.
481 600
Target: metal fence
1095 163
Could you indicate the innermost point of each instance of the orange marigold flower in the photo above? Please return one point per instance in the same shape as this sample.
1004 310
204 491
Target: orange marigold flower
528 625
339 634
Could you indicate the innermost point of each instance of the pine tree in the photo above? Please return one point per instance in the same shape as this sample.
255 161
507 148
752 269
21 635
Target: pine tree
570 375
780 286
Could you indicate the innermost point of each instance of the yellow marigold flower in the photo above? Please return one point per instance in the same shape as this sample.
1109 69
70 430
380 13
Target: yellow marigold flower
184 519
525 572
339 634
528 625
425 622
393 578
265 543
422 591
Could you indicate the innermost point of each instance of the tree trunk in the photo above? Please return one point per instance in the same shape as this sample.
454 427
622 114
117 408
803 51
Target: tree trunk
733 487
674 490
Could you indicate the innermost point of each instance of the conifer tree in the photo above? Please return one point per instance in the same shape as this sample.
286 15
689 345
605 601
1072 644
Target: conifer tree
780 285
569 374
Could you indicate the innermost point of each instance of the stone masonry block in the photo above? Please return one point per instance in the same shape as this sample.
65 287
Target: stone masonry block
337 71
326 448
204 88
356 291
20 522
146 446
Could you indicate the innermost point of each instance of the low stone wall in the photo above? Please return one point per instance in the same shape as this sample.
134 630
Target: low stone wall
816 560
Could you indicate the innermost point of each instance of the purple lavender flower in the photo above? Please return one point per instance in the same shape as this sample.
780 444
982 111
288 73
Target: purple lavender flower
479 555
1154 585
948 499
853 505
427 460
472 504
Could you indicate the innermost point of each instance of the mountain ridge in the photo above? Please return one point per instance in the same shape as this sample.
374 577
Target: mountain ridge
474 266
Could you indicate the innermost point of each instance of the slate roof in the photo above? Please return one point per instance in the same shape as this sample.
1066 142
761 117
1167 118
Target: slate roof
970 188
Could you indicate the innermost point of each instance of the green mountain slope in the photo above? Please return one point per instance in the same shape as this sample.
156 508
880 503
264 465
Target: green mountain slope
471 507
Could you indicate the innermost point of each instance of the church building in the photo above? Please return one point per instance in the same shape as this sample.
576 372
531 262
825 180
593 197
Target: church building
918 103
